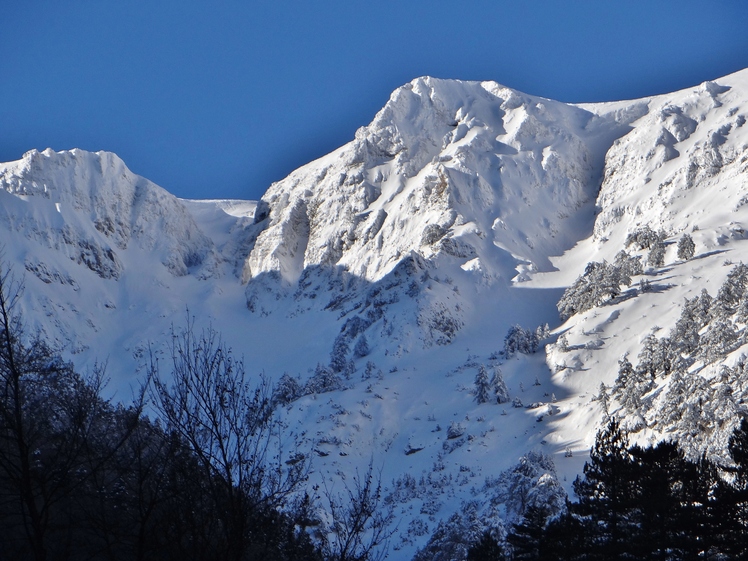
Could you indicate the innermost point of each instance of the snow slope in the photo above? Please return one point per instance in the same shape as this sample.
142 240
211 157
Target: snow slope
394 268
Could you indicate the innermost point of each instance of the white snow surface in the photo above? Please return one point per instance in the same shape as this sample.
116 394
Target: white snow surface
462 209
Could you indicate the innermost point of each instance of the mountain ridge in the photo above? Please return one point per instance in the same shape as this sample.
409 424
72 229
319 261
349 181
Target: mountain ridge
397 264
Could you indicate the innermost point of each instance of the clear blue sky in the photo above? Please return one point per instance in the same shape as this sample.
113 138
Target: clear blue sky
220 98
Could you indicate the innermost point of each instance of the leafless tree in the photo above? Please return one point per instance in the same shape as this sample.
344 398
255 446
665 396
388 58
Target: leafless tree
361 524
227 422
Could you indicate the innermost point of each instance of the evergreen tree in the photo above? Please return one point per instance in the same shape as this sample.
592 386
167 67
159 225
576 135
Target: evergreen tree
527 536
656 257
567 538
482 386
741 310
702 309
487 549
499 386
685 335
599 283
604 399
630 385
686 247
719 340
733 288
642 238
362 347
324 380
648 364
672 408
287 390
733 496
606 494
697 532
628 266
520 340
625 373
657 472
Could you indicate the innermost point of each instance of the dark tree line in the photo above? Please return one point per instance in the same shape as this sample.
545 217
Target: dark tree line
213 478
639 503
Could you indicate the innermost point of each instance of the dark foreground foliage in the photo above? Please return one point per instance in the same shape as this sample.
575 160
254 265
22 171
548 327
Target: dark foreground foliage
640 503
81 478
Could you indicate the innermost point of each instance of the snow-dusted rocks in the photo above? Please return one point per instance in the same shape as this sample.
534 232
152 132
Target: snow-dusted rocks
90 207
379 284
446 168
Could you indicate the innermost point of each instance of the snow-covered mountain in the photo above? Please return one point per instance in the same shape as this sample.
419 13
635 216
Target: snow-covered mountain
379 282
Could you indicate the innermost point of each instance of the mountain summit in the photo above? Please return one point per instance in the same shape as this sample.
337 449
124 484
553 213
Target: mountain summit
398 289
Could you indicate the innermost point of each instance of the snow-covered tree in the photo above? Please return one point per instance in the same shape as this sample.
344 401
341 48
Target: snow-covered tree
287 390
733 289
642 238
656 257
628 266
672 407
686 247
648 360
520 340
599 282
741 311
455 430
499 386
542 332
362 347
324 380
339 354
702 310
719 340
630 385
685 335
625 374
604 399
482 386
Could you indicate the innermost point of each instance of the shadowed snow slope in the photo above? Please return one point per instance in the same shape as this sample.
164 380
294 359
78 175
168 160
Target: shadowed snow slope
383 278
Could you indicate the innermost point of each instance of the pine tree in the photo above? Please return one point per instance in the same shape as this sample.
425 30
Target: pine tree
741 311
625 373
733 289
487 549
719 340
482 386
604 400
672 408
630 385
698 526
606 493
733 496
657 473
648 357
686 247
628 266
362 347
656 257
702 310
642 238
499 387
527 536
599 283
685 335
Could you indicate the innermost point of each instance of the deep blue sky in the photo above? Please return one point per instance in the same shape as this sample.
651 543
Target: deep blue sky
220 98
